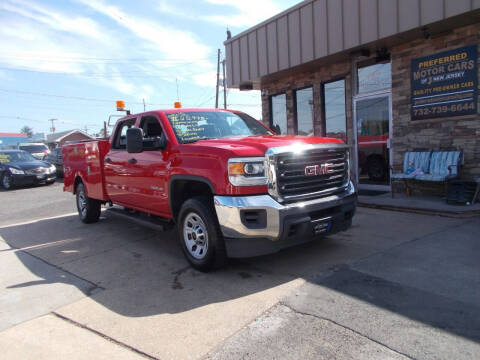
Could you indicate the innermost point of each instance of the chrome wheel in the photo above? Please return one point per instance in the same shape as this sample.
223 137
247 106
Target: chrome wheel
7 181
195 236
82 203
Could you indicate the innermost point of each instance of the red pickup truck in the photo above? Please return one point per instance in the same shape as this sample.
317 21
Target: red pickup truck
229 184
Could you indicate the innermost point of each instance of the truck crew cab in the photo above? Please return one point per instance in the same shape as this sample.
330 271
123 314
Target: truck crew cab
231 186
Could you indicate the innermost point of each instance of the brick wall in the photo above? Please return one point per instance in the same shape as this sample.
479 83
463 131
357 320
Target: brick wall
436 134
289 84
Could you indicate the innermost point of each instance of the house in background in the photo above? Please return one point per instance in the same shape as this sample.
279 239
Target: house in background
11 140
58 139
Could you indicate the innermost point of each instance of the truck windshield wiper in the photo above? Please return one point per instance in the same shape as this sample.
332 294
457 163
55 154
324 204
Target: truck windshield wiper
195 140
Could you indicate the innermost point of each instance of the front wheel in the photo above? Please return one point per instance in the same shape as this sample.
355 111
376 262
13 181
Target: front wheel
200 235
88 209
7 181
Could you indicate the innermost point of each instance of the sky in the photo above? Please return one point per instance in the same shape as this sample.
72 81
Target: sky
70 60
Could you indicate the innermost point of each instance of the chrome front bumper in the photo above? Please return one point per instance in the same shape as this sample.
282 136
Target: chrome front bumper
231 213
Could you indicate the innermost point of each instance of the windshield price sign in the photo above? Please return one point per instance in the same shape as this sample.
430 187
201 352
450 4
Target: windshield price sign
445 84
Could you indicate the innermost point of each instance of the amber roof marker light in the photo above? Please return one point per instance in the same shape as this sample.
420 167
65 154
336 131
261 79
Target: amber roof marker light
177 105
121 106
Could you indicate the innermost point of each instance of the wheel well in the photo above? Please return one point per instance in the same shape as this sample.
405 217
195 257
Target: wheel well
78 180
182 190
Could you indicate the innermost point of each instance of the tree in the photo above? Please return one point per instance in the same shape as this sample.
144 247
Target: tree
101 133
27 130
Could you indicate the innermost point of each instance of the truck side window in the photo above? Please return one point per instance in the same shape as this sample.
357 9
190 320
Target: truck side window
152 131
120 140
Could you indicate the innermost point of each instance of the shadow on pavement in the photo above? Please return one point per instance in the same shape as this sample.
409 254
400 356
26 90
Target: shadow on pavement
144 273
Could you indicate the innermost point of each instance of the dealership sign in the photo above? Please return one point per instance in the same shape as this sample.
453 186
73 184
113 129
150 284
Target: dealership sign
445 84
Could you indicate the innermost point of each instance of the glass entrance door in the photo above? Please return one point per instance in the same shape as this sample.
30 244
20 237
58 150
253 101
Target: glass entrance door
373 123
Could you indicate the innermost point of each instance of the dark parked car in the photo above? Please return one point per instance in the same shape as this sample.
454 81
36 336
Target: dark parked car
55 158
18 167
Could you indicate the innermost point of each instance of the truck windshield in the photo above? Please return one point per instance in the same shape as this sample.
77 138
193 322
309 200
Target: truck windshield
193 126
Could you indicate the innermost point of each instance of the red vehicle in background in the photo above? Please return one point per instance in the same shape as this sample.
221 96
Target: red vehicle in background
230 185
373 157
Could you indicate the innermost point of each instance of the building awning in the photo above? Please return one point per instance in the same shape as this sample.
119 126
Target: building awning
316 30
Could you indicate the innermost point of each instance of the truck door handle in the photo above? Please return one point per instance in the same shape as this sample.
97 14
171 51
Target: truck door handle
108 160
132 161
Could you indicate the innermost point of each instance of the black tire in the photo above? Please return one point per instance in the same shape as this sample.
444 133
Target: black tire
88 209
214 255
50 182
7 181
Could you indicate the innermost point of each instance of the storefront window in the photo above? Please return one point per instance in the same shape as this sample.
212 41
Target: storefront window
304 101
374 77
335 115
278 119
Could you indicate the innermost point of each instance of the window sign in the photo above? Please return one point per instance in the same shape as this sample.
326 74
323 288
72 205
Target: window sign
278 115
335 116
445 84
304 103
374 77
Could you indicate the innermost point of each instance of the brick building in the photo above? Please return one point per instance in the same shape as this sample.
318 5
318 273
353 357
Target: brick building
386 76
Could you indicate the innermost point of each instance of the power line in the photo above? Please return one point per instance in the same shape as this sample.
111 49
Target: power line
43 121
143 73
74 97
109 60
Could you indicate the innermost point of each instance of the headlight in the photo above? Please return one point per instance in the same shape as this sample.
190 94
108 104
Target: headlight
246 171
17 171
52 168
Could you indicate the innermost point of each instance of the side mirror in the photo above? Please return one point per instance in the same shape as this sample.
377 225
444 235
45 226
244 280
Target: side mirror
134 140
162 144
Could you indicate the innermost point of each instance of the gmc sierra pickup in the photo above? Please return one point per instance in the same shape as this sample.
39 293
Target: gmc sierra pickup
231 186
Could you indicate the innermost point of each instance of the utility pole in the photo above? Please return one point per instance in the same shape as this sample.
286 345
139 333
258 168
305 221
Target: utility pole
224 86
143 104
52 129
218 80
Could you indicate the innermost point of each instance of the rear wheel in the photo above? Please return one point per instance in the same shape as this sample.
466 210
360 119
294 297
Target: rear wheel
7 181
200 236
88 209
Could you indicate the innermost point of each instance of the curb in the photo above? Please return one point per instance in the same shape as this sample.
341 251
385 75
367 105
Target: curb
451 214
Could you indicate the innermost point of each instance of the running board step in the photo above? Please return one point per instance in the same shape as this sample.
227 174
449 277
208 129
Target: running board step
144 219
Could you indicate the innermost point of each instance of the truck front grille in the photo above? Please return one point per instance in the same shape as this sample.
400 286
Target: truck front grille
311 173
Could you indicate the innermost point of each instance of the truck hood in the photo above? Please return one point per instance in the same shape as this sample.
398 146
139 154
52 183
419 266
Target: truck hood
258 145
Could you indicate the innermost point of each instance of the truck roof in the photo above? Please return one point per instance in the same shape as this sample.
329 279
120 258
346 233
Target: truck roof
171 111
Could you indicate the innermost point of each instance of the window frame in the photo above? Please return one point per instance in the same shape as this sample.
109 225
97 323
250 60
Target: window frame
118 131
323 107
366 63
141 119
270 107
294 93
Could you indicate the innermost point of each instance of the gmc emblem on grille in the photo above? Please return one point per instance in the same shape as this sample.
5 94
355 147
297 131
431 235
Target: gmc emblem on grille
322 169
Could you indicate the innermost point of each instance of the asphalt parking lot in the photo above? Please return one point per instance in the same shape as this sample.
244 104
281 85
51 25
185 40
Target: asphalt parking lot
395 286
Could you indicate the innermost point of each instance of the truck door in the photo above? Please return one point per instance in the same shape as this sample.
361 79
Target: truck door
118 171
150 167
